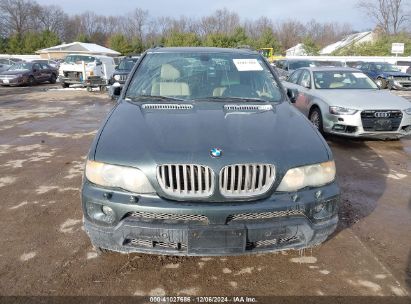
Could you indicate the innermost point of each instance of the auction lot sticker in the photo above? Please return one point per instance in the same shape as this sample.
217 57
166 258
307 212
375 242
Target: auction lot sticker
247 65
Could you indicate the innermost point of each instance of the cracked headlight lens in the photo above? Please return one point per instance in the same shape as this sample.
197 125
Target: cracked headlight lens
127 178
308 176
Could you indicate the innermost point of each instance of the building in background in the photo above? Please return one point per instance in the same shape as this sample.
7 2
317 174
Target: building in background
297 50
348 41
60 51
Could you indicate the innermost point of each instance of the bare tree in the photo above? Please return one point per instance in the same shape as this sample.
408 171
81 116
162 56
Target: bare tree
17 16
388 15
135 22
51 18
221 21
290 33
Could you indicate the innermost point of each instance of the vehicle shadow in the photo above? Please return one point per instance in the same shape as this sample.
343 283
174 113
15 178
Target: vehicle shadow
361 175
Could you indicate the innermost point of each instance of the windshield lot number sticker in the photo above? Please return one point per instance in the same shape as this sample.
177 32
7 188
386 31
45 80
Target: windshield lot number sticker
359 75
247 65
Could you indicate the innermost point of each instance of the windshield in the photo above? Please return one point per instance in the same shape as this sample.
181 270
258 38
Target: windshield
20 66
79 58
196 75
293 65
386 67
127 64
342 80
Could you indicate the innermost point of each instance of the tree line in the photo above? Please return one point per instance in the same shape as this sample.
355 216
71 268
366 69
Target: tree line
26 26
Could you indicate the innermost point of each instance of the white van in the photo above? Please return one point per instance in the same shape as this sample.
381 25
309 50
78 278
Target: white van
87 70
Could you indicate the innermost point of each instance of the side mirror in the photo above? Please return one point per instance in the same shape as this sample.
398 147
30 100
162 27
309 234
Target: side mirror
98 62
292 95
117 92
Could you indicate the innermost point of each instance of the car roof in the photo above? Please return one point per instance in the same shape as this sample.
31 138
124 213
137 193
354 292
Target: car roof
201 50
330 68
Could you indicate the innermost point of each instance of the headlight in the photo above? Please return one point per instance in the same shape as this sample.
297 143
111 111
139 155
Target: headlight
117 77
127 178
342 111
408 111
308 176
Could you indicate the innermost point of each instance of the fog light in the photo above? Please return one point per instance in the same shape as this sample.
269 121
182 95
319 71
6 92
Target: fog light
101 213
338 127
109 215
107 211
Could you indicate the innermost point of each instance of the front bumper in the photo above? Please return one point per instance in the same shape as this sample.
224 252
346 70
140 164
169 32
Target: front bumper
230 228
352 126
13 81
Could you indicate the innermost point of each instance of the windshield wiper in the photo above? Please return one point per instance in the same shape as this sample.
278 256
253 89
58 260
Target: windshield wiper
145 97
229 98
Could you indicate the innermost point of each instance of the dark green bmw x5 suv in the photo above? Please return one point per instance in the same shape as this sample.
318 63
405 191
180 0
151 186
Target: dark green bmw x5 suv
204 155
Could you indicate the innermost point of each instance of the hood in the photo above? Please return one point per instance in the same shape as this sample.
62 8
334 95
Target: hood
15 72
363 99
143 138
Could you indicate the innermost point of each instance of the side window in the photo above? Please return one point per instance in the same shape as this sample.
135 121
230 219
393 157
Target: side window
305 80
44 66
36 66
294 76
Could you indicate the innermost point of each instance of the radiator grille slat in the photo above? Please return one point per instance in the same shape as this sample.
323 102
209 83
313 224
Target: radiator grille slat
243 180
186 180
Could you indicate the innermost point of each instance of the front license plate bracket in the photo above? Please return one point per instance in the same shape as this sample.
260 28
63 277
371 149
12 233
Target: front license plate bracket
216 240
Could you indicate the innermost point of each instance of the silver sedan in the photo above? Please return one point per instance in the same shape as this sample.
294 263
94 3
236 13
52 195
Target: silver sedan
347 102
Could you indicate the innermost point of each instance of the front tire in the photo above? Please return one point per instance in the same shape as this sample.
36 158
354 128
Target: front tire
316 119
65 85
53 79
32 81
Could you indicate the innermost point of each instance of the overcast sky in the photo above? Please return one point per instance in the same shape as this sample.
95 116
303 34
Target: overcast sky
303 10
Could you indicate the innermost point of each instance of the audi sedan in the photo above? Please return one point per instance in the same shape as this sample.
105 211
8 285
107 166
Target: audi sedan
347 102
204 155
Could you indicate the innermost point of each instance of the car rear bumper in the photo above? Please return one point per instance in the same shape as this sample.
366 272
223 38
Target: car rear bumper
144 227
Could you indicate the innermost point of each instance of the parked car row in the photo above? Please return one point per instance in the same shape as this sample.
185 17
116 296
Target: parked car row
386 75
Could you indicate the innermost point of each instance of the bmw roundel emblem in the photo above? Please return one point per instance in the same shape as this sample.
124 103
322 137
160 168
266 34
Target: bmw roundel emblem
215 152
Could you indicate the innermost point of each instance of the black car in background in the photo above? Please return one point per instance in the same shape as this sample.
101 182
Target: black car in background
28 73
119 77
386 75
